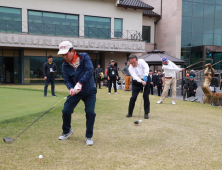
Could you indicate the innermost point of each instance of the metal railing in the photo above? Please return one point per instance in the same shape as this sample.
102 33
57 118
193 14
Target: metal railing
69 31
10 26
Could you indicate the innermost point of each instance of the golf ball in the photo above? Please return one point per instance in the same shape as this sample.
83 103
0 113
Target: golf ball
40 156
140 120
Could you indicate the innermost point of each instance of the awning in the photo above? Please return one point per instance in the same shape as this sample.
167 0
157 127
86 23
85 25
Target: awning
154 58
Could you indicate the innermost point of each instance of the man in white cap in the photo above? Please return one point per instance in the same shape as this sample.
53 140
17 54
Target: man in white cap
170 70
78 76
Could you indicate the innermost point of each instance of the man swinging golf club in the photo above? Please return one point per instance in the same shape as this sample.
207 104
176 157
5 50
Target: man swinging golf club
78 77
139 71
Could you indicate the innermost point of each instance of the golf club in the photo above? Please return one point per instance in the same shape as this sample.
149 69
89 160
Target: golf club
10 140
139 120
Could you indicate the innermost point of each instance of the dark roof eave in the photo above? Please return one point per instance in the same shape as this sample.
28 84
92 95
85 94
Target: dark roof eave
147 15
134 7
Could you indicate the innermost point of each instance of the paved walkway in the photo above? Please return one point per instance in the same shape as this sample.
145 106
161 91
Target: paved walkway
199 93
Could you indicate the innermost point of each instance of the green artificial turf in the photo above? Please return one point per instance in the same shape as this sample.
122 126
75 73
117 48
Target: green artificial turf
21 102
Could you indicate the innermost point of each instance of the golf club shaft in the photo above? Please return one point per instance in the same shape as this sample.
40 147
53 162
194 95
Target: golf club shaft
141 104
40 117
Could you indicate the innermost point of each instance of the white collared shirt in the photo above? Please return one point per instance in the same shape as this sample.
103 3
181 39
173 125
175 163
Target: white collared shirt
170 69
141 70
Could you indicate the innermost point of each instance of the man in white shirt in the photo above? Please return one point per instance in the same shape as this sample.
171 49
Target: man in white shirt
170 70
139 71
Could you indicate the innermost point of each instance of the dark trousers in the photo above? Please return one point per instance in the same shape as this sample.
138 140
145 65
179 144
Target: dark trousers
192 93
136 88
151 89
98 80
220 85
47 81
159 89
71 102
107 84
112 80
185 93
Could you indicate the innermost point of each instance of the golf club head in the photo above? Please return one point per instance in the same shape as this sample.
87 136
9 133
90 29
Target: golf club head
8 140
136 122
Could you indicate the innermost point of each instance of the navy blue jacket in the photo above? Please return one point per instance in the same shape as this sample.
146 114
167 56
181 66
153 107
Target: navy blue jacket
83 74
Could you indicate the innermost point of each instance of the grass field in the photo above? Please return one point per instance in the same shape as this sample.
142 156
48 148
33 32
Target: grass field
182 136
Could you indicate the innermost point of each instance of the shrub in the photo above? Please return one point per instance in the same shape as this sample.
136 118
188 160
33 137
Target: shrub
215 99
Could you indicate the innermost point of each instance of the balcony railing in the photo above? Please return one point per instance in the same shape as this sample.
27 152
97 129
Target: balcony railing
9 26
69 31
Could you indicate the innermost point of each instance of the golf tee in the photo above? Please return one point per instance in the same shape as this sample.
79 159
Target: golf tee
40 160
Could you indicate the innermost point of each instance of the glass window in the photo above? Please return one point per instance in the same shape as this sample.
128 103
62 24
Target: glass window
208 39
219 2
185 49
218 40
218 12
197 25
218 27
187 8
1 68
186 24
97 27
186 39
33 70
146 34
197 9
10 20
197 39
49 23
198 0
210 1
118 27
209 11
208 26
197 56
185 56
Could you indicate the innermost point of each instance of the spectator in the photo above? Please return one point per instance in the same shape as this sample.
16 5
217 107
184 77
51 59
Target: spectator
192 87
112 76
98 75
158 82
192 73
126 72
49 70
185 86
151 78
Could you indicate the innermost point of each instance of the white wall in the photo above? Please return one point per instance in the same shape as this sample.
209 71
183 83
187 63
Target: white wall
132 19
150 22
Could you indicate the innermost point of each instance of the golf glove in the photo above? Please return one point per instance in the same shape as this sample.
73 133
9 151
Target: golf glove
78 87
145 78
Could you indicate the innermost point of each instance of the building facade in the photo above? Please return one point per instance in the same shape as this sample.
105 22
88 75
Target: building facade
106 29
190 30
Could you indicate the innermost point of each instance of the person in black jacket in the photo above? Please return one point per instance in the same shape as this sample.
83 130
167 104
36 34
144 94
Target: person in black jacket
192 86
185 86
158 82
98 72
152 82
192 73
112 76
49 70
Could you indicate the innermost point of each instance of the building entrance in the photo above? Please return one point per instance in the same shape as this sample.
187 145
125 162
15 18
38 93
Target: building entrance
8 70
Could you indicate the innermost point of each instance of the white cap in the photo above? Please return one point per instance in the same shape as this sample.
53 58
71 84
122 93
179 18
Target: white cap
64 47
